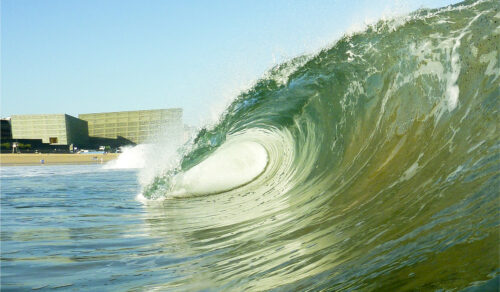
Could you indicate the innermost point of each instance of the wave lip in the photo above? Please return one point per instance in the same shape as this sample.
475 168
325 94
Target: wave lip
231 166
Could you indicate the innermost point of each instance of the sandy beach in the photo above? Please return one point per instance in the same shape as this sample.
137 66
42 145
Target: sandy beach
49 158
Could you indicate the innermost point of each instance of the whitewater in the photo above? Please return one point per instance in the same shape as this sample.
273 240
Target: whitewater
371 165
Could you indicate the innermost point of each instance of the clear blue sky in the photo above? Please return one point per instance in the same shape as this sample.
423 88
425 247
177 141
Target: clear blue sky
83 56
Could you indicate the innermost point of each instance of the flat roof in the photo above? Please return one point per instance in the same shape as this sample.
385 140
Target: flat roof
136 111
40 115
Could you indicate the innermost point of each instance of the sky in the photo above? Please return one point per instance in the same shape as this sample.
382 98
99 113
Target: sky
88 56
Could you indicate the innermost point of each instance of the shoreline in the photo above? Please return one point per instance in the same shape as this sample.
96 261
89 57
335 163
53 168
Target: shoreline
20 159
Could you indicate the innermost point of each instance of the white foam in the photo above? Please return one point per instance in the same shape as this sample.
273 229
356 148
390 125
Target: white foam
452 89
151 159
230 166
131 157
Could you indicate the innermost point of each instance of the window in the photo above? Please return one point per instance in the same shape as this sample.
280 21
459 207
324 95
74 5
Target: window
52 140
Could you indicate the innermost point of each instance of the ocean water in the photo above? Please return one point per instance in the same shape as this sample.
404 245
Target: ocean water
70 227
372 165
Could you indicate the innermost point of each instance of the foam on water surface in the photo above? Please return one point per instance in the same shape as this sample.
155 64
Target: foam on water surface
231 166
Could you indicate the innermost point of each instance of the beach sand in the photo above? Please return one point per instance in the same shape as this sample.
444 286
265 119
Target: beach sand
31 159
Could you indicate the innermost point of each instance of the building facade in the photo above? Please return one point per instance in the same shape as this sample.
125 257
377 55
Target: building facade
54 129
136 126
5 130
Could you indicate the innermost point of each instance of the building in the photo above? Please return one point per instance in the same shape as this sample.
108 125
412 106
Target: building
54 129
136 126
55 132
6 130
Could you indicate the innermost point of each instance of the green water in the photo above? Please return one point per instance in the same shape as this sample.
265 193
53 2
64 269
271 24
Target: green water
383 164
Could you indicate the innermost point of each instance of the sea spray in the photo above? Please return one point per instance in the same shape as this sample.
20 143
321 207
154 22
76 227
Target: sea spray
160 155
130 157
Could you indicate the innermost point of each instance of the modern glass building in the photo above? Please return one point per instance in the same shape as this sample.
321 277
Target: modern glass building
55 129
136 126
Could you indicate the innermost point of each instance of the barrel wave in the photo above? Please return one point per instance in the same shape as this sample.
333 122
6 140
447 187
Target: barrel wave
371 165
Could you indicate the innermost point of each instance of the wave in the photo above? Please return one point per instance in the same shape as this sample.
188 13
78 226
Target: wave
373 164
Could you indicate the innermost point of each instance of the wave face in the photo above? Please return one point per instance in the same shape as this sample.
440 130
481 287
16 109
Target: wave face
372 165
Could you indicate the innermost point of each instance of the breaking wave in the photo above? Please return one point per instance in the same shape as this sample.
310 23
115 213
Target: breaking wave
372 165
